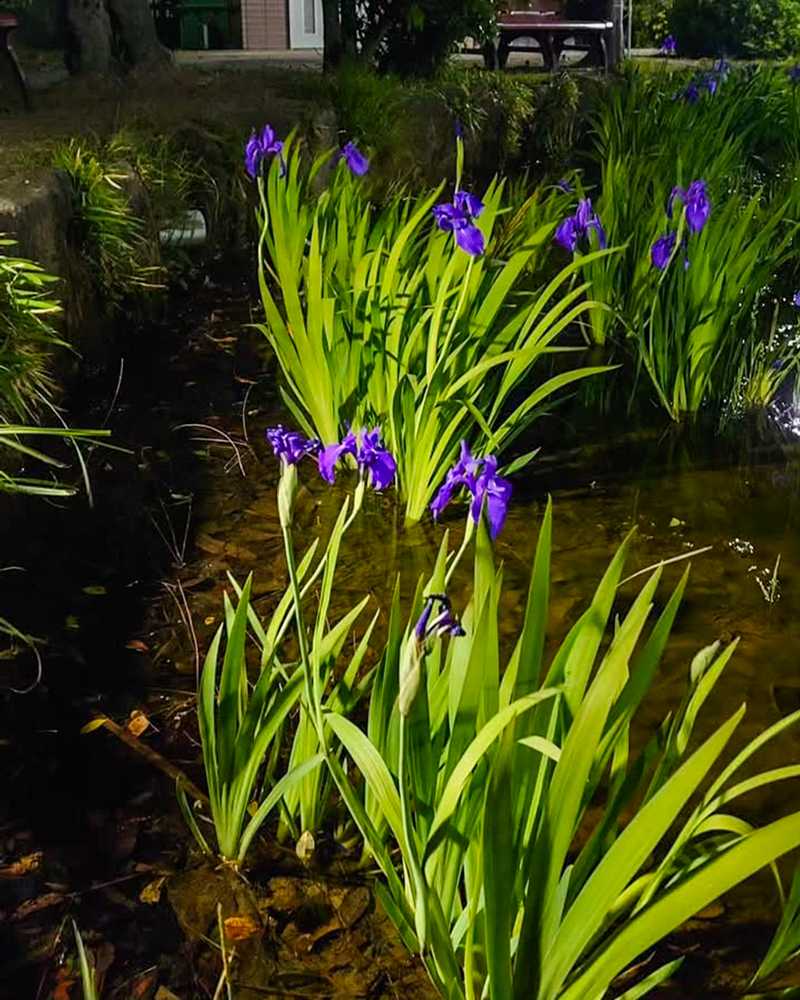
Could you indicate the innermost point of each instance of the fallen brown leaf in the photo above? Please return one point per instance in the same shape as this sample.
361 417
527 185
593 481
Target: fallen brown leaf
162 993
26 864
138 645
64 985
40 903
241 927
152 891
138 723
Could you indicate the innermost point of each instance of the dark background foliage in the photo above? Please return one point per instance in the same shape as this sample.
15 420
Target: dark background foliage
744 28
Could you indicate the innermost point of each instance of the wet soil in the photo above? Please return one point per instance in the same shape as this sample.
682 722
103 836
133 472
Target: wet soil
90 830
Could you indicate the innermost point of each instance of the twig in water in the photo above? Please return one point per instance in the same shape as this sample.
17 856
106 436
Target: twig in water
155 758
38 679
176 550
225 977
116 392
225 438
78 452
244 411
186 618
666 562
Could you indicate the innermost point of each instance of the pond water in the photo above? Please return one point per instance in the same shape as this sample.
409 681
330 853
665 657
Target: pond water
186 510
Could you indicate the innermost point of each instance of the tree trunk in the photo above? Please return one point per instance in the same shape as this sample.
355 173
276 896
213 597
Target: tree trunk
349 29
332 28
133 21
89 36
99 31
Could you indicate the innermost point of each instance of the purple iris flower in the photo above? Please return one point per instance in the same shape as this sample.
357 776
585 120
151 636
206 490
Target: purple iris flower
710 83
459 129
457 218
369 453
479 475
354 159
796 299
576 227
668 47
661 251
441 624
692 93
291 446
259 147
794 73
721 66
696 204
565 186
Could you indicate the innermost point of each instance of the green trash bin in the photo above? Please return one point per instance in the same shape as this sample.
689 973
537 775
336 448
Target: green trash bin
204 24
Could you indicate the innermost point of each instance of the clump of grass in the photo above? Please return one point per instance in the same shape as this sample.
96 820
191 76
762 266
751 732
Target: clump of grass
26 335
106 231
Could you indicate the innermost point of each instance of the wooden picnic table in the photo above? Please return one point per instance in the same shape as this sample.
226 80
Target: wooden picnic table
551 31
8 23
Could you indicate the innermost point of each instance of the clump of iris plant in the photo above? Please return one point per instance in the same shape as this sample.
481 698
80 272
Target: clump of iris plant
370 455
577 227
668 47
697 209
436 621
355 159
290 447
259 147
479 477
705 82
458 218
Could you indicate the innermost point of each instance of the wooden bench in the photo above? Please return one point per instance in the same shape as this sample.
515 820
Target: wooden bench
8 22
551 31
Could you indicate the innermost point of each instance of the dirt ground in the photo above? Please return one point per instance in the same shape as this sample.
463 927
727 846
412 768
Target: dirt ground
229 101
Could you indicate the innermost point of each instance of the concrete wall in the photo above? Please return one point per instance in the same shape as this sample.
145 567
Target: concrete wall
265 24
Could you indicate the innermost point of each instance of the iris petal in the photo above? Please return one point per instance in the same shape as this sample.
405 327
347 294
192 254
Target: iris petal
567 235
471 240
583 214
355 159
597 225
661 251
448 217
498 494
469 204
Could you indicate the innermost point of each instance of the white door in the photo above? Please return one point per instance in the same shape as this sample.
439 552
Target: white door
305 24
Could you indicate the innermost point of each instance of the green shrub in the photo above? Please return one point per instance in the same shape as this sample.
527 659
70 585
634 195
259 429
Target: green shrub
651 21
746 28
418 37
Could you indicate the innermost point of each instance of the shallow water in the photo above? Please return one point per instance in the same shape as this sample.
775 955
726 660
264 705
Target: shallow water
740 499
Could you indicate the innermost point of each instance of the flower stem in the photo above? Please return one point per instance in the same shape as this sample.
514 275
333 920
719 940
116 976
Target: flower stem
421 902
313 707
457 314
357 504
468 533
